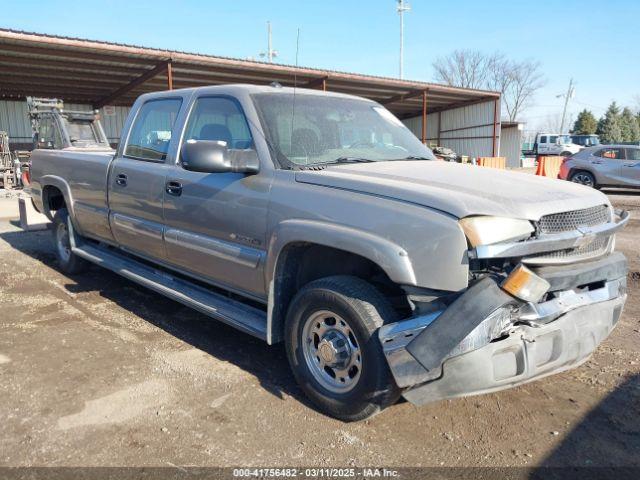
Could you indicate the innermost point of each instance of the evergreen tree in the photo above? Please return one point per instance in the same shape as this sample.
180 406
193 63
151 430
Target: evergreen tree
586 123
609 125
629 126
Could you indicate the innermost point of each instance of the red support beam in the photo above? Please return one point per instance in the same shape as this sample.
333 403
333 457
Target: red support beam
495 128
322 82
424 117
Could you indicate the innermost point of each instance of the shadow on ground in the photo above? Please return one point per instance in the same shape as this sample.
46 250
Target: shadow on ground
266 363
630 192
606 444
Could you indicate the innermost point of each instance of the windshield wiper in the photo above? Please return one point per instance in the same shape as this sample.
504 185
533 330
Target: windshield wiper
348 160
416 157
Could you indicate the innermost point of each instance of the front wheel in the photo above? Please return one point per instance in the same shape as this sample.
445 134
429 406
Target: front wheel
333 347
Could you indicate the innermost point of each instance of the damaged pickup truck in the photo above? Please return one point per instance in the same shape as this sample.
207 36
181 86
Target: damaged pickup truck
318 219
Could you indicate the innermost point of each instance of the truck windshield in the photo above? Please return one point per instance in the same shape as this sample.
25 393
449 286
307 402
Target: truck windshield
325 129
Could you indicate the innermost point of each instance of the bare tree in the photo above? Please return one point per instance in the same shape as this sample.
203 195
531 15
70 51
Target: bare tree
526 80
463 68
516 81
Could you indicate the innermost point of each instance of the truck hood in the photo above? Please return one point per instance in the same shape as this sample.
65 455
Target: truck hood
460 190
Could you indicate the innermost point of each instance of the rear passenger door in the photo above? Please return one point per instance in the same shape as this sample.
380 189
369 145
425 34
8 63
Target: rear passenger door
137 179
216 222
631 167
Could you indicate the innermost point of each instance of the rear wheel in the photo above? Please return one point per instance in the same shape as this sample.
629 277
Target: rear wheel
566 154
583 178
333 347
69 262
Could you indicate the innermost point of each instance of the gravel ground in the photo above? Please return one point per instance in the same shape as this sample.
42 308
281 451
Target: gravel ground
97 371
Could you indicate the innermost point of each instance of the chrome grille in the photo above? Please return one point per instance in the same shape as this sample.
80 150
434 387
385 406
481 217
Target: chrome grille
567 221
599 246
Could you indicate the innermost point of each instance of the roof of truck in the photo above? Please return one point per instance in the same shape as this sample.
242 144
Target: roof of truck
275 89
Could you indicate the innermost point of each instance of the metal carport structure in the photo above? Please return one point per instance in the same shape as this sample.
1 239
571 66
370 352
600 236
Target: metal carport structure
97 73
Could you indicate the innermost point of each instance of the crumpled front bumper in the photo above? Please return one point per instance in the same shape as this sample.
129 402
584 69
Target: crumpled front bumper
547 338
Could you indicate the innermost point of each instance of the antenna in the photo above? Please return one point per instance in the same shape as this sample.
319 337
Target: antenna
295 84
401 8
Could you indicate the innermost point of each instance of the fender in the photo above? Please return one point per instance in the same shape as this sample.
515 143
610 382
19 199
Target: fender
391 258
62 185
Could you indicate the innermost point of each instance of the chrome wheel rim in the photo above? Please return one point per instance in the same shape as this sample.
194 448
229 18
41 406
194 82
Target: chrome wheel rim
583 179
62 242
331 351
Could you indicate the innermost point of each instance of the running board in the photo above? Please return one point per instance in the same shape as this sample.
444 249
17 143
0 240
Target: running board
232 312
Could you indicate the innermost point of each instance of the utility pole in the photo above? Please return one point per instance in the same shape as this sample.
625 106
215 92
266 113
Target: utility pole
270 53
401 8
567 96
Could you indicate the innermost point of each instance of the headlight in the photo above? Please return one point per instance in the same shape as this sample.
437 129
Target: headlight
488 230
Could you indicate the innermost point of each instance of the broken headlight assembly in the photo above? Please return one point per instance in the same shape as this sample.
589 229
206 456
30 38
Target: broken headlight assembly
485 230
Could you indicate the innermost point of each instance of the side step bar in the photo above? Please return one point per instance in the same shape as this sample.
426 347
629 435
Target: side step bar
232 312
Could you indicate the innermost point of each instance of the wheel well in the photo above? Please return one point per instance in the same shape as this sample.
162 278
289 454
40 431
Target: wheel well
301 263
52 199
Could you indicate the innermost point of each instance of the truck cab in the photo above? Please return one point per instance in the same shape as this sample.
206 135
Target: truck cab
554 144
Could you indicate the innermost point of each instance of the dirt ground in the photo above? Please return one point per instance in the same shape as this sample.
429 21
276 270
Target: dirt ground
97 371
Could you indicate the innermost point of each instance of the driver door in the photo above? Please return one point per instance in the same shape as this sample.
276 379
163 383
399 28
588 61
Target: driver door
216 222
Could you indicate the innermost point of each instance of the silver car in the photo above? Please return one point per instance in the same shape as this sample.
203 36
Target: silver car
604 166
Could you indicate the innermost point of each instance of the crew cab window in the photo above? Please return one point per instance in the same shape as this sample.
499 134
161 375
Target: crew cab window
543 139
612 153
152 129
553 139
221 119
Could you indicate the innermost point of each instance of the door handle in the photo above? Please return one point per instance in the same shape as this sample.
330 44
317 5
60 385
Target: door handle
174 188
121 180
596 162
635 164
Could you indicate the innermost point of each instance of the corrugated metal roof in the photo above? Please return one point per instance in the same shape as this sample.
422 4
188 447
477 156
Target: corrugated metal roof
89 71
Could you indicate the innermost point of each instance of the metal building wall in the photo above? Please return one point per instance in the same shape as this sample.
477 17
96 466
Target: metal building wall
467 130
511 144
15 121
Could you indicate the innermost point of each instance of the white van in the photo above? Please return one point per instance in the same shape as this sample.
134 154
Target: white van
554 144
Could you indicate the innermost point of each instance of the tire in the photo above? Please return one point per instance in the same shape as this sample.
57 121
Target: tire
334 322
583 178
566 154
68 261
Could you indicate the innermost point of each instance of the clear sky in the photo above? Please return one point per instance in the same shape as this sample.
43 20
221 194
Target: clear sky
595 42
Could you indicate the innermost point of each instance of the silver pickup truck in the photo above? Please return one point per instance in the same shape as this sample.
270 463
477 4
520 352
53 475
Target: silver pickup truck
319 220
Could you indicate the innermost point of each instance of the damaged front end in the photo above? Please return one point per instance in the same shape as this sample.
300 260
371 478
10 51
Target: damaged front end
543 312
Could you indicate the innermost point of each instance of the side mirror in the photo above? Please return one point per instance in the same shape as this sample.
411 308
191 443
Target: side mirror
213 156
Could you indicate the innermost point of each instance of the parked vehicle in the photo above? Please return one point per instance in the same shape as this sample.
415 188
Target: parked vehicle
554 144
56 128
604 166
585 141
319 220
